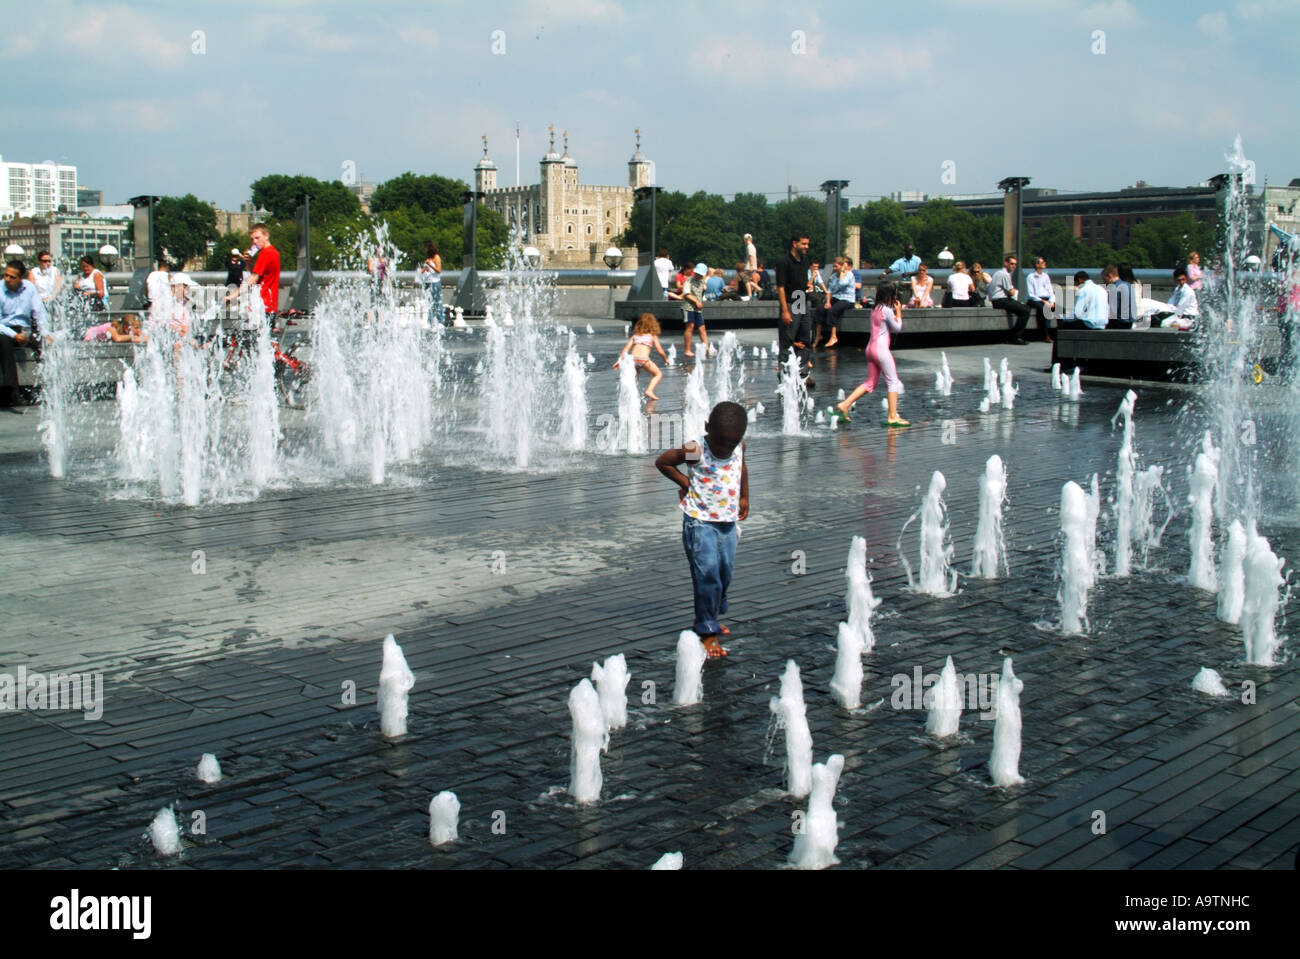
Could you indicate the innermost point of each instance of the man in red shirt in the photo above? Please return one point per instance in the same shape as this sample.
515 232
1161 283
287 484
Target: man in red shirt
265 271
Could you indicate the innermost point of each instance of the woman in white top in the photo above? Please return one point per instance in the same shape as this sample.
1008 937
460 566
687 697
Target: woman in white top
959 285
430 275
90 288
47 278
922 284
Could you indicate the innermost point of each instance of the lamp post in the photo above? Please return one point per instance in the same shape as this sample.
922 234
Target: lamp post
945 258
650 192
108 256
613 257
833 189
1018 184
14 250
533 256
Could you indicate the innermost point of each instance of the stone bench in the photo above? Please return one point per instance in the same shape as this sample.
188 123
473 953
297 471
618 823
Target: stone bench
1147 353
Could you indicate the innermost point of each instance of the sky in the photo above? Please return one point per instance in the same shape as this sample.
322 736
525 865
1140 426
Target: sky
945 97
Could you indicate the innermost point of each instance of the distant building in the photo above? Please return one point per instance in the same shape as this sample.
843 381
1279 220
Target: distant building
36 189
570 222
240 222
88 197
363 190
1100 217
1280 205
70 236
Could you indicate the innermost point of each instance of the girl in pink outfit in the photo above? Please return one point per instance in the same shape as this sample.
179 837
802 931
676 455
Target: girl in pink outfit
645 337
880 362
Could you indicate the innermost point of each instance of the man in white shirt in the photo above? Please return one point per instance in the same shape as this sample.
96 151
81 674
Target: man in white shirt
751 253
1091 307
1181 310
47 279
1041 297
663 270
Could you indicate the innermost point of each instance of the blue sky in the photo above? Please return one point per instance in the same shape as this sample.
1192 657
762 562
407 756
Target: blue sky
1075 95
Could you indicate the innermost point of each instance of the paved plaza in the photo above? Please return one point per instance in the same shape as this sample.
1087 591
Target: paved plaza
238 629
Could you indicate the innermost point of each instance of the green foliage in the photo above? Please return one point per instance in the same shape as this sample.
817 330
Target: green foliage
705 227
1165 241
887 228
183 226
429 194
409 227
280 195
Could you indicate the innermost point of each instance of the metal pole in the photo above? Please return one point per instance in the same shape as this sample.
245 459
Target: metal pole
1020 208
654 251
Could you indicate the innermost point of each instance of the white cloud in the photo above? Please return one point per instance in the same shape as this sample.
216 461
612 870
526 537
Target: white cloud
1109 14
101 34
1214 25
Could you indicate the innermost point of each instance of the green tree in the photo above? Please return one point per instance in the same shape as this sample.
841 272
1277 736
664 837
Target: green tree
429 194
183 226
1167 240
279 193
885 230
225 243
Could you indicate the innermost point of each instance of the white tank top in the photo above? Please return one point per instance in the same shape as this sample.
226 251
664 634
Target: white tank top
714 494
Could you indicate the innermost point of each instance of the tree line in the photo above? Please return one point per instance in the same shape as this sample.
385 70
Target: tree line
413 207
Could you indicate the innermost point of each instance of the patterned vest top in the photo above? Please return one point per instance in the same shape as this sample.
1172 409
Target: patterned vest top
714 494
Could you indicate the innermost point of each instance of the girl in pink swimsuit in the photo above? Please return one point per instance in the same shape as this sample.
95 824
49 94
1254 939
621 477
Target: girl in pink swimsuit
880 362
645 337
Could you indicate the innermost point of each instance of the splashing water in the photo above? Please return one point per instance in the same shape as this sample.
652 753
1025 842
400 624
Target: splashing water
611 685
1126 519
1004 763
696 407
1263 581
943 700
589 738
444 818
573 411
688 689
1205 476
1232 591
942 377
1076 565
395 683
1006 387
632 433
936 577
794 397
989 555
164 833
814 847
791 716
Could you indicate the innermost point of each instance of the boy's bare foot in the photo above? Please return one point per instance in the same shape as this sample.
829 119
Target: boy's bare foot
712 648
688 353
650 396
831 342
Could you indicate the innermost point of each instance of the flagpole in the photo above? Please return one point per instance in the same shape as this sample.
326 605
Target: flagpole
516 154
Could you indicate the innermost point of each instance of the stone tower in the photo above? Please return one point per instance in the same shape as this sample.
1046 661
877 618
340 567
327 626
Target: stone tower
640 171
485 171
552 193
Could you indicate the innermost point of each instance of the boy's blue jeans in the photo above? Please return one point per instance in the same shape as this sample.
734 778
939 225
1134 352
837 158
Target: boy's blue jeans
711 551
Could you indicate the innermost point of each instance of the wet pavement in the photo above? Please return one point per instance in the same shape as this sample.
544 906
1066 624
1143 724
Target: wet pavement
242 630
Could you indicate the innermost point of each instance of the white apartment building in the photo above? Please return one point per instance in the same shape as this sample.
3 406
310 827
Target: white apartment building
36 189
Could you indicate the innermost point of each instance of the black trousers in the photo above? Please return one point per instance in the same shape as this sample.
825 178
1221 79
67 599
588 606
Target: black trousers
830 315
9 366
1039 308
1019 309
800 329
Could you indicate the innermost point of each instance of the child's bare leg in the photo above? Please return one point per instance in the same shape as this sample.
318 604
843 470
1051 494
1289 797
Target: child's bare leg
852 398
834 338
655 377
893 409
690 328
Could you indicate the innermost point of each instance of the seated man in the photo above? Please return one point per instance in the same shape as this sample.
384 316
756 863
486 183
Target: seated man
23 322
713 284
1002 296
1119 299
1181 310
735 290
1091 311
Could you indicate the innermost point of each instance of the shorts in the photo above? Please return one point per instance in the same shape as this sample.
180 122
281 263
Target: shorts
693 318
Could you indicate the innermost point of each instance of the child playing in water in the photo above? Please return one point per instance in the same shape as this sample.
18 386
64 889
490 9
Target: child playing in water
714 499
645 336
879 360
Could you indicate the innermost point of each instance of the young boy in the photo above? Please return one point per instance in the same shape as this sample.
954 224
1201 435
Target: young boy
693 306
714 498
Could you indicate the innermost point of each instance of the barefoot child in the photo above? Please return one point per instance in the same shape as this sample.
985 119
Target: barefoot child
693 307
879 360
714 498
645 336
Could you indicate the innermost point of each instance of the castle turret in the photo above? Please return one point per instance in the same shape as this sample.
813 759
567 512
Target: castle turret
552 190
485 171
640 171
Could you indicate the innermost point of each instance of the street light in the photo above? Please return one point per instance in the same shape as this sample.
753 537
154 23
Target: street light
945 258
1253 262
13 249
533 256
108 256
613 257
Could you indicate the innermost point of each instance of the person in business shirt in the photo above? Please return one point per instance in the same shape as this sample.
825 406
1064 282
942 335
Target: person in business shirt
1041 297
23 322
1181 310
907 264
1091 310
1119 297
1002 296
